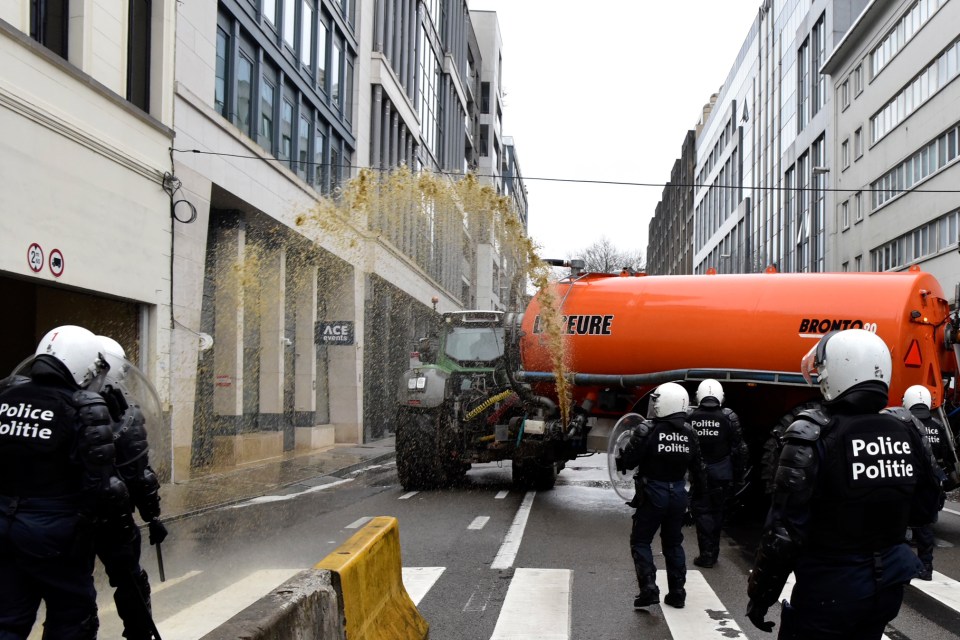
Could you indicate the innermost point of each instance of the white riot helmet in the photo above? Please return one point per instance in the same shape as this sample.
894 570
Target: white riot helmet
709 388
77 348
115 356
668 399
843 359
917 394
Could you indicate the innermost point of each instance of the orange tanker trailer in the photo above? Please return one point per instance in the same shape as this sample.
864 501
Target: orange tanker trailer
623 335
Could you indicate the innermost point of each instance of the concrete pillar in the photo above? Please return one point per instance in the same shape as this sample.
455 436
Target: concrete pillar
273 279
347 302
189 259
228 325
305 373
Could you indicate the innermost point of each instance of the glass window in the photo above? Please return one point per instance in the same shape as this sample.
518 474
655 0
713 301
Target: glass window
289 22
244 94
303 147
220 88
844 215
48 24
270 10
138 53
319 160
286 130
334 168
306 34
335 74
322 56
267 99
858 142
348 92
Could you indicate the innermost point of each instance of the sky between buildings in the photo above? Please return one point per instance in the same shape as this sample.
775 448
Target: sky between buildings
606 90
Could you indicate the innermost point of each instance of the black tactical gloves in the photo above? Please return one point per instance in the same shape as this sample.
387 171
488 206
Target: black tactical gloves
757 615
158 532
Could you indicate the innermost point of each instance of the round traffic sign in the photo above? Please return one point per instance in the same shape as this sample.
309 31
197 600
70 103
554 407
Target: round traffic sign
56 263
35 257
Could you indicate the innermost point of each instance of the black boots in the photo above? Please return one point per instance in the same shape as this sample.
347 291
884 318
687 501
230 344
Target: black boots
676 599
705 561
646 598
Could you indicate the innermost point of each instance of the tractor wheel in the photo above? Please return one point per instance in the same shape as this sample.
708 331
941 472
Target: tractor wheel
419 465
529 473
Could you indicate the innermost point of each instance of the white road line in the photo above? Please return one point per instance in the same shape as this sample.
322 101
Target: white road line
511 542
537 606
418 581
155 587
704 615
290 496
956 513
408 495
356 524
479 522
201 618
501 495
479 599
942 588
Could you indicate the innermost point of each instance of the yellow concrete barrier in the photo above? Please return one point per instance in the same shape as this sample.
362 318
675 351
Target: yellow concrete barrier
368 570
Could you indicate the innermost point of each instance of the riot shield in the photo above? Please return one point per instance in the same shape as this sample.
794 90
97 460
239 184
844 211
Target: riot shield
622 483
139 390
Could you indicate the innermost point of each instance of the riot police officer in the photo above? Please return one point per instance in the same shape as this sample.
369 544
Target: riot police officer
664 450
118 541
724 454
918 401
56 464
849 482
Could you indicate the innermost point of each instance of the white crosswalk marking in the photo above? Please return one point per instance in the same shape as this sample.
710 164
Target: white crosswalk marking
408 495
418 581
201 618
703 616
537 606
943 589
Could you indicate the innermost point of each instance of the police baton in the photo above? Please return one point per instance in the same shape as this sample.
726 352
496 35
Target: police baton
163 578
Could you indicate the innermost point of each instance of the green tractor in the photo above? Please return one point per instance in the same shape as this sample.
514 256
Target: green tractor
459 405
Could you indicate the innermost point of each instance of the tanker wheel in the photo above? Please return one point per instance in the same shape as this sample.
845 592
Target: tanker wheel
419 465
531 473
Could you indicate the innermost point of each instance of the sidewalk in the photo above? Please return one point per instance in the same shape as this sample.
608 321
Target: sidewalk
181 500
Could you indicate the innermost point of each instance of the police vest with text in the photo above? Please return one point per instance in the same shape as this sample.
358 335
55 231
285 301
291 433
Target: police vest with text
869 471
669 451
713 432
37 442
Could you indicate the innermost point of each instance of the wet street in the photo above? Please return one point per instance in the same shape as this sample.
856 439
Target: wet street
485 561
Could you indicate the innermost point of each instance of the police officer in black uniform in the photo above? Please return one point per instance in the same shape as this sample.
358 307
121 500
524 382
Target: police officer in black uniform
724 454
118 541
664 450
850 480
918 401
56 478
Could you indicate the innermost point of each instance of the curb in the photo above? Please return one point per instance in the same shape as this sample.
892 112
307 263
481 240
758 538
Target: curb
337 473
